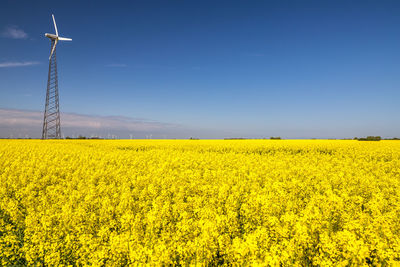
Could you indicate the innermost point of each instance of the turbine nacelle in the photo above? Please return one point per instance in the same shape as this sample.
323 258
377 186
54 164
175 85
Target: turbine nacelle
51 36
55 37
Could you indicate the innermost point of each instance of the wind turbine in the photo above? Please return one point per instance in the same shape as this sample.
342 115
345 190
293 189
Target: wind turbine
51 121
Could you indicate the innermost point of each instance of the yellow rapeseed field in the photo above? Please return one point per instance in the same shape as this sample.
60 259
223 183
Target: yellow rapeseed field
195 202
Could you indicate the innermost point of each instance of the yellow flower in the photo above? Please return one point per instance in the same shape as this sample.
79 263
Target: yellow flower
159 202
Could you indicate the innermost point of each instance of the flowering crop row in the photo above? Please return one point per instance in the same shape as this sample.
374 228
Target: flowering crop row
246 202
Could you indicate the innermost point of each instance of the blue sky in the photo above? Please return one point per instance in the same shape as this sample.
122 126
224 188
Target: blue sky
212 69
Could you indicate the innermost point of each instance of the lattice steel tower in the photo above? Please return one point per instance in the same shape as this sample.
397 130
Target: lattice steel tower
51 121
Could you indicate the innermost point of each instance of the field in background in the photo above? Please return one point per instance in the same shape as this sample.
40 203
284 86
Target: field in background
193 201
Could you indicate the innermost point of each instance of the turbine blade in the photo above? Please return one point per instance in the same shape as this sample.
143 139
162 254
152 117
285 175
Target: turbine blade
64 39
55 26
54 48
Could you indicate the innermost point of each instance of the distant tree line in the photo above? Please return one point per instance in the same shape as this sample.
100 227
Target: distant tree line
83 137
369 138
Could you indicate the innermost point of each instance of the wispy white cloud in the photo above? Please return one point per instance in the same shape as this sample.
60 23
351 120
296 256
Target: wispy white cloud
117 65
30 118
18 64
25 122
111 122
153 66
14 32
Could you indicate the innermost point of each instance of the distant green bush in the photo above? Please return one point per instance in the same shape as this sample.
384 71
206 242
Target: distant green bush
369 138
